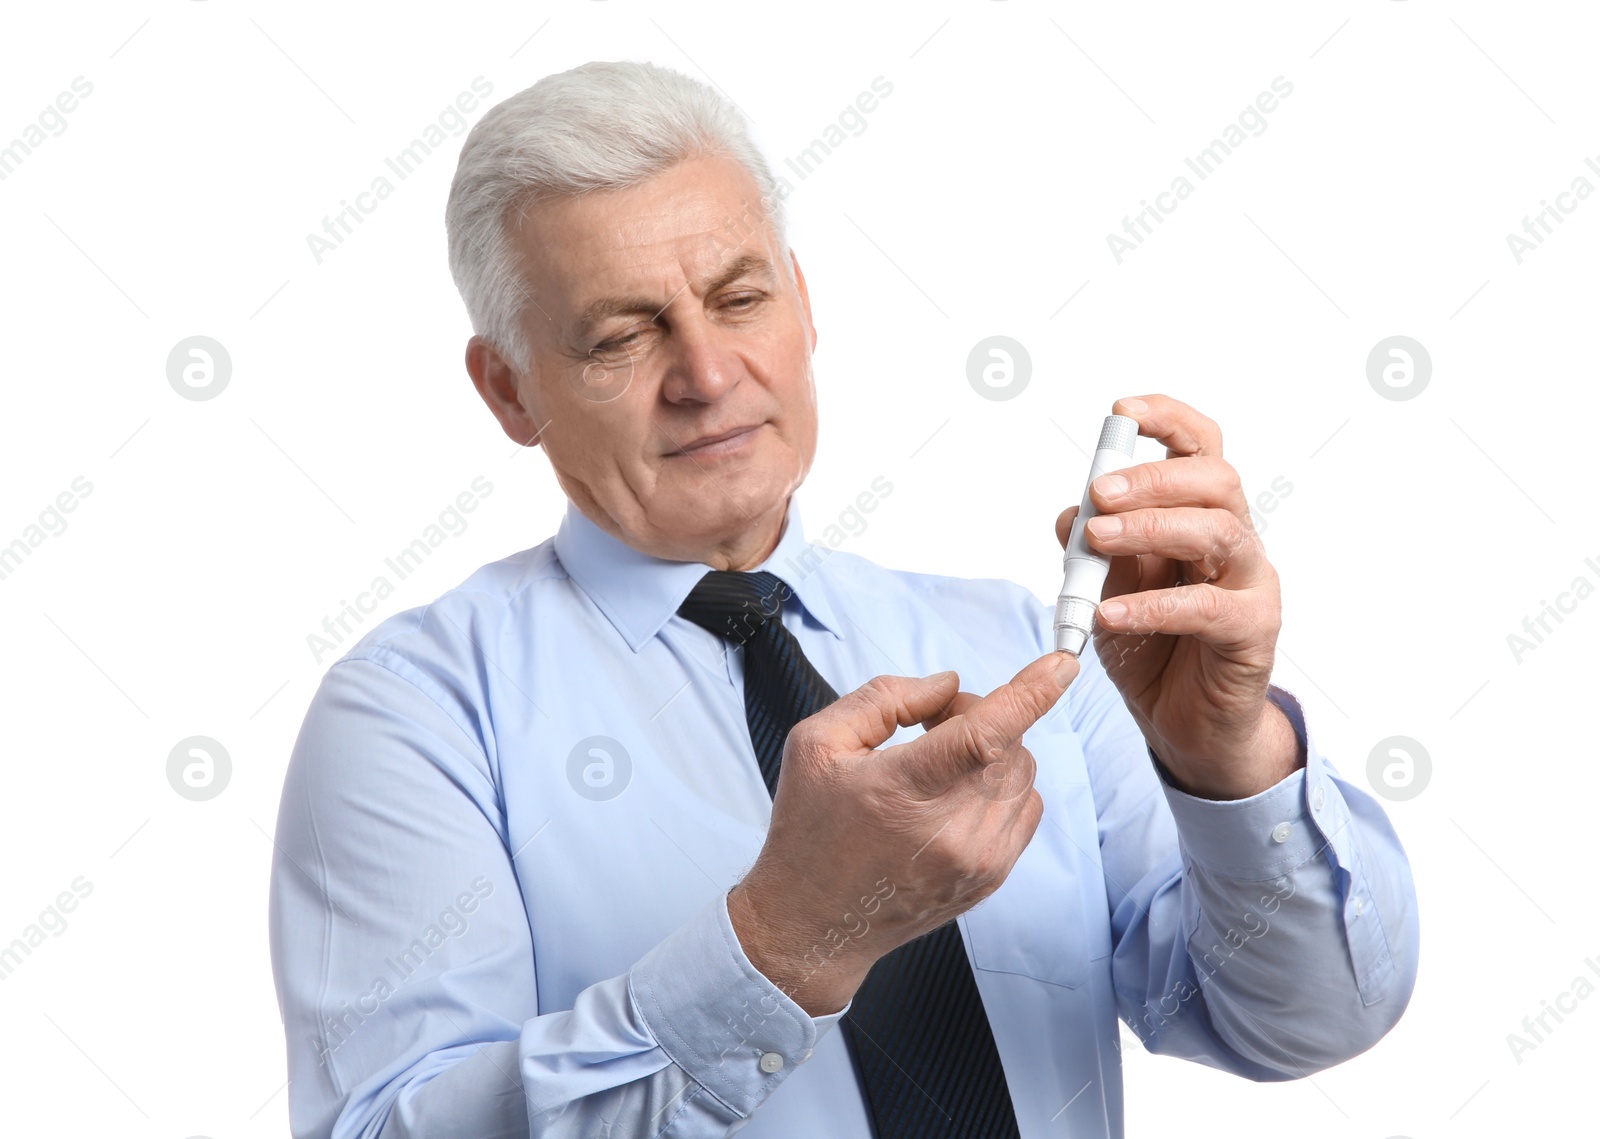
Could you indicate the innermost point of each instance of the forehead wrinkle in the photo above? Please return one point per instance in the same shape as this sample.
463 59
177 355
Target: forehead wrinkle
745 265
682 229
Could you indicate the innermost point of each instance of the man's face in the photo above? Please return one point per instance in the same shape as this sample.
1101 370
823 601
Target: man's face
671 377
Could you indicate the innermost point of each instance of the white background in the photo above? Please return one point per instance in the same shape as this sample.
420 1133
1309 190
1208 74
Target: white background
1418 534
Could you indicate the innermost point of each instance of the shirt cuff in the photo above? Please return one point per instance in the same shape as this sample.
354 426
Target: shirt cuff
717 1016
1279 830
1267 834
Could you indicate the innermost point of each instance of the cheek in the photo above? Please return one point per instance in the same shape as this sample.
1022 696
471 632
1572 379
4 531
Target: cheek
590 441
804 401
586 427
797 424
792 384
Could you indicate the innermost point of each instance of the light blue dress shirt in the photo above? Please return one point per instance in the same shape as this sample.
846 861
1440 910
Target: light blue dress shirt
512 817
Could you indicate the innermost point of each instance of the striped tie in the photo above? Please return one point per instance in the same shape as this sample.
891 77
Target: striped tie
916 1028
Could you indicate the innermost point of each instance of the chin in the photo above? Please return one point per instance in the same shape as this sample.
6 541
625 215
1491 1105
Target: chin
722 514
703 518
747 489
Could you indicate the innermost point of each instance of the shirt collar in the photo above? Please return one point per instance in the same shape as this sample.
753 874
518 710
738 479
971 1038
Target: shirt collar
638 592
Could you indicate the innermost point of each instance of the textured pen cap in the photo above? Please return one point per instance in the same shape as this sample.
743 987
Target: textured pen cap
1074 621
1118 434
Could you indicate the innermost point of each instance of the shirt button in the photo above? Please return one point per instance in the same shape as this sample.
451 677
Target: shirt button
1318 799
771 1061
1280 833
1357 906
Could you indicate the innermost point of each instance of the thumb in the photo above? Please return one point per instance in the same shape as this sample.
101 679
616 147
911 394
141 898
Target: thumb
865 718
1064 525
987 729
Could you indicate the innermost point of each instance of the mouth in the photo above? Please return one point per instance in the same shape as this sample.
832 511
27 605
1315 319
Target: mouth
714 446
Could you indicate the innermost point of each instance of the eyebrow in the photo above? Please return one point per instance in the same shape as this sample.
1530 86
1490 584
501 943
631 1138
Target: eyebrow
745 265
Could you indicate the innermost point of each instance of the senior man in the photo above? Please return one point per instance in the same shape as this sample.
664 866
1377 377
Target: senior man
592 846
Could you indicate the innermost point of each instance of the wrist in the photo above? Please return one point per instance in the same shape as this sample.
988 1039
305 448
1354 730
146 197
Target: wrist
813 972
1272 754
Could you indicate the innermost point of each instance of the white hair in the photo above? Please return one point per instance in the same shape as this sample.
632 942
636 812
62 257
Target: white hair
600 126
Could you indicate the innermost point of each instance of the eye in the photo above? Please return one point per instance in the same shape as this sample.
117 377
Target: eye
742 301
618 342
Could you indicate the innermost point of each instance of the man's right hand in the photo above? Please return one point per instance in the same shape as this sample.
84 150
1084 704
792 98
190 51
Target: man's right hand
868 849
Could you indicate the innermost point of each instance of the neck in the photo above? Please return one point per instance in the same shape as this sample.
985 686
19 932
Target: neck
750 548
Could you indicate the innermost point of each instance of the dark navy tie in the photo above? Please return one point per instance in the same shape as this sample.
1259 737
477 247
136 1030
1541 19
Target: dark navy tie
916 1028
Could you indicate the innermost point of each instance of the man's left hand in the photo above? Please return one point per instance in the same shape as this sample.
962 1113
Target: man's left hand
1190 612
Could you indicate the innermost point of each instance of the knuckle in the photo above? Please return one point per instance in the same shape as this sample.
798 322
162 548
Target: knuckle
975 738
1144 614
801 736
1161 525
1155 479
803 747
1034 809
1007 778
1044 697
878 691
881 696
1231 533
1209 602
1164 605
941 851
985 867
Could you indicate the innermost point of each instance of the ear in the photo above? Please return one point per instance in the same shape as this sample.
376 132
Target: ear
503 388
805 297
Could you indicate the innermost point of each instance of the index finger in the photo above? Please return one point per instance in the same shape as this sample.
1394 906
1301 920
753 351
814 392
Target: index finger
986 730
1172 422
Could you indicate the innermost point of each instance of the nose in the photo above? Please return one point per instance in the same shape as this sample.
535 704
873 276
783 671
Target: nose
702 364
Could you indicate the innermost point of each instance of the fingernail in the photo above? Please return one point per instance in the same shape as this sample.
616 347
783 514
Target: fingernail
1135 405
1111 486
939 677
1105 526
1066 669
1113 611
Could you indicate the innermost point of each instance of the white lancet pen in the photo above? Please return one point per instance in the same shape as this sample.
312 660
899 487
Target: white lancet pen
1084 567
